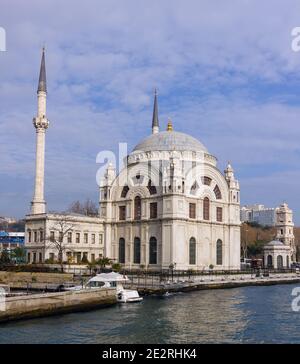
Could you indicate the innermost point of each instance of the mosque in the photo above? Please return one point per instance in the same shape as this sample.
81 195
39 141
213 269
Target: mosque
169 206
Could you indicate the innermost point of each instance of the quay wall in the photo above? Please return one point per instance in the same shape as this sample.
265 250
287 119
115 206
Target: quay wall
16 279
46 304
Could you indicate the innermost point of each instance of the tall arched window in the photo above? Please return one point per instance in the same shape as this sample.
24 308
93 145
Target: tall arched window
124 191
219 252
137 208
279 261
137 251
151 188
206 208
192 251
269 261
153 250
194 188
217 192
122 250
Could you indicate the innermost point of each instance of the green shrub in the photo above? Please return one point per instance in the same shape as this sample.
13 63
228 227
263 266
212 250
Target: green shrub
116 267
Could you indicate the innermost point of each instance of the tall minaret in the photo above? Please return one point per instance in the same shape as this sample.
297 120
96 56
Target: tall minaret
41 123
155 123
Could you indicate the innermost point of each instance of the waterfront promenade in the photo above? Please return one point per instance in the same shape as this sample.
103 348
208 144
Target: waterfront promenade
215 282
154 285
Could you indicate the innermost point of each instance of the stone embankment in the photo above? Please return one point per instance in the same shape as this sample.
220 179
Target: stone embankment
46 304
47 282
22 278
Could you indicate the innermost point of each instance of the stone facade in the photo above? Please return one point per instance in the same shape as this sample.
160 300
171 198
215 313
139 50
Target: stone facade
280 253
78 235
277 255
285 228
171 208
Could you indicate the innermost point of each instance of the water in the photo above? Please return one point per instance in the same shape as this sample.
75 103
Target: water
240 315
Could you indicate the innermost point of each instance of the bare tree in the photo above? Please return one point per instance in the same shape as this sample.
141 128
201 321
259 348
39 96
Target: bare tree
88 207
75 207
57 241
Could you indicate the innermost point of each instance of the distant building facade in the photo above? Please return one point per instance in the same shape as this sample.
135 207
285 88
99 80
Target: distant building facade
11 240
7 220
260 214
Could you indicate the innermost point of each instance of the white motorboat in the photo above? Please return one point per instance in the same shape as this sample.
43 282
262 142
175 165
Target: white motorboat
111 280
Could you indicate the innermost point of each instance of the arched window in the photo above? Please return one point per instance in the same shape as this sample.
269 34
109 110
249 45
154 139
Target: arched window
153 251
279 261
206 180
219 252
124 191
287 261
192 251
194 188
137 208
151 188
217 192
206 208
270 261
137 251
122 250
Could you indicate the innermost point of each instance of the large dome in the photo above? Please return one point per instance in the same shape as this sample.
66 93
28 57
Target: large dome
170 140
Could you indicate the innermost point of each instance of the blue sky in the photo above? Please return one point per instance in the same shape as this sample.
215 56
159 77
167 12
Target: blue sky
225 73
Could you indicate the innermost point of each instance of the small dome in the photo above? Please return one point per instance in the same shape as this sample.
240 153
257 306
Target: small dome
275 242
170 140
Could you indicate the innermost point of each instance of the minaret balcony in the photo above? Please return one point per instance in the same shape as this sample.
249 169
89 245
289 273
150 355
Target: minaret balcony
40 122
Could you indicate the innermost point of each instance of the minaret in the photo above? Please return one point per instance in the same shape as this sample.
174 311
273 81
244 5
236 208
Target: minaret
41 123
155 123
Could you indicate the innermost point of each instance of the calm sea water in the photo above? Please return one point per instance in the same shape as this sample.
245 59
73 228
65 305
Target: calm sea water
240 315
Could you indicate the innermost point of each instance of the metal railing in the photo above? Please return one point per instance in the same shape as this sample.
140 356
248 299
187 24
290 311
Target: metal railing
154 279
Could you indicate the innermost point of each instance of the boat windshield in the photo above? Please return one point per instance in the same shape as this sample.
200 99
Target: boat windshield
95 284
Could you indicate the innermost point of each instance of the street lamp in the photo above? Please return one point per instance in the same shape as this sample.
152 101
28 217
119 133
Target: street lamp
172 266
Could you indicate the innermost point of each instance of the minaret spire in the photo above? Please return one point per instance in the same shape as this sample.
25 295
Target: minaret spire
155 122
41 123
42 79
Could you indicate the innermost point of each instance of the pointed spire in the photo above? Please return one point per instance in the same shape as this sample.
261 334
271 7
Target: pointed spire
42 79
155 122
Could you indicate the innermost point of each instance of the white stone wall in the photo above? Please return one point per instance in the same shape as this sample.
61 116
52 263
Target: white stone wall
275 252
42 249
173 227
